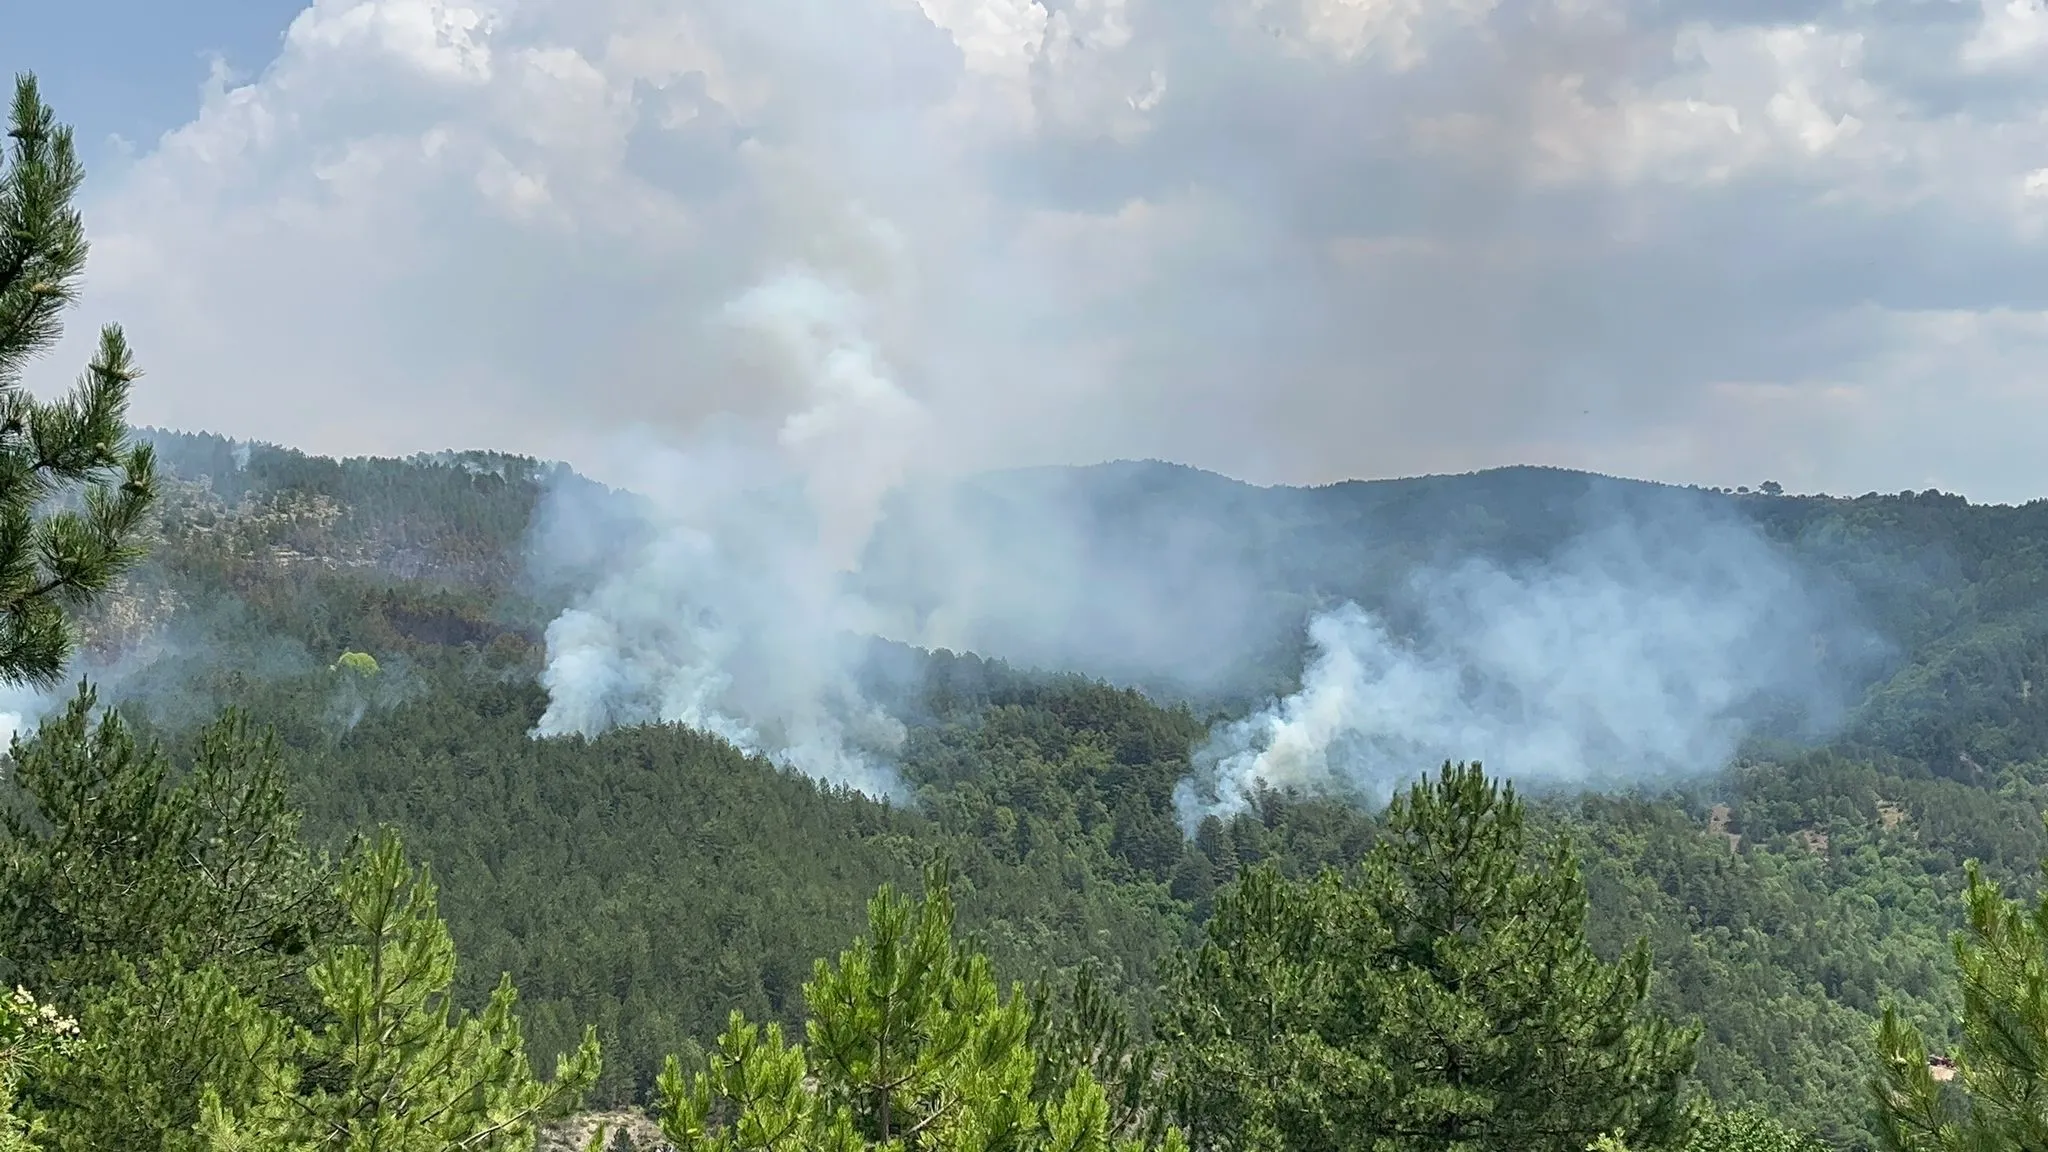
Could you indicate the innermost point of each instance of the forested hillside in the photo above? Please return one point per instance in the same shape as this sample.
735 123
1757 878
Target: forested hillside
300 864
652 880
1951 592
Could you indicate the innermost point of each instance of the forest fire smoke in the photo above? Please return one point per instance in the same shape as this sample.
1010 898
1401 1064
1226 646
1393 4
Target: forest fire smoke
727 615
1642 653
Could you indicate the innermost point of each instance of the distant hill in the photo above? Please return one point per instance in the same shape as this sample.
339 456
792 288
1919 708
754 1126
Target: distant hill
652 879
1191 584
1174 568
1130 569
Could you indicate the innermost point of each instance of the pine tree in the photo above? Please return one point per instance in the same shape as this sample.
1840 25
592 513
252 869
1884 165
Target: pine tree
1443 998
398 1068
1718 1130
1999 1097
73 491
907 1026
1250 1062
1746 1130
1090 1030
913 1046
107 861
753 1095
152 1042
157 912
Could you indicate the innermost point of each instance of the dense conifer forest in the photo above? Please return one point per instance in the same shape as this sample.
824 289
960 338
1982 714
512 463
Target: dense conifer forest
652 881
290 871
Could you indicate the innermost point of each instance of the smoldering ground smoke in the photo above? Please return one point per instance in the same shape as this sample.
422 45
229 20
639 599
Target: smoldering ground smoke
724 622
1644 642
1185 271
722 609
1644 652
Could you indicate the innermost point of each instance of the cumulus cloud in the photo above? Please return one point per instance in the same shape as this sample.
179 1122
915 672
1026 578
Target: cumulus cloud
1292 240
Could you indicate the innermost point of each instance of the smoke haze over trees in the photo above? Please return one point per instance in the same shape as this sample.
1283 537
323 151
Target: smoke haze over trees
550 772
652 878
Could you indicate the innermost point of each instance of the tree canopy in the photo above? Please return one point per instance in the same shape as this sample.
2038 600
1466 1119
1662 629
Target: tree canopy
73 490
1443 997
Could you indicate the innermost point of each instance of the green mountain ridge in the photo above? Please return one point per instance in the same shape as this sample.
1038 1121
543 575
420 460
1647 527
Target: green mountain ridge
652 879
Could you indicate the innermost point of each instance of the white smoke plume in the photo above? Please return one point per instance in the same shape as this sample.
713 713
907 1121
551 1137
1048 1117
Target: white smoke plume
138 675
21 708
853 442
727 614
1642 652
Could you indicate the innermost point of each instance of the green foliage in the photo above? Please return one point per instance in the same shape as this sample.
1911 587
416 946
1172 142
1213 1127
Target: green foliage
73 492
1718 1130
1090 1031
151 1046
912 1035
357 663
751 1095
107 859
232 995
253 509
2001 1069
912 1046
1064 759
1779 949
30 1033
397 1067
1444 998
1746 1130
157 905
651 881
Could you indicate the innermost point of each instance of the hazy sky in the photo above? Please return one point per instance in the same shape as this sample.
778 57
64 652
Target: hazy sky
1291 240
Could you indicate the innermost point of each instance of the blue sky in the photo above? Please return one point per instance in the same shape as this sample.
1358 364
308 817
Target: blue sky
1291 240
133 69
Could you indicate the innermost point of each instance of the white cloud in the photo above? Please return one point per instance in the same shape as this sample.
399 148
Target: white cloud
2012 32
995 37
447 42
1292 239
1739 100
1396 31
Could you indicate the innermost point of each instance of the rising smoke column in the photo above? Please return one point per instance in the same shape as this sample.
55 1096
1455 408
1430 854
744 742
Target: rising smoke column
1641 652
728 615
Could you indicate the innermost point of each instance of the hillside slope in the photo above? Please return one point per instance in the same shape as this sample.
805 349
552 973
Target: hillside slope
653 879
